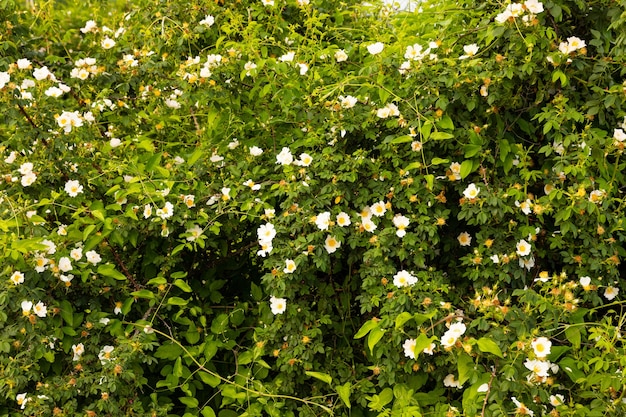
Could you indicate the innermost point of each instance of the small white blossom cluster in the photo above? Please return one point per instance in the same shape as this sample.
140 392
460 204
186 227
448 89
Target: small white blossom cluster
515 10
84 68
573 44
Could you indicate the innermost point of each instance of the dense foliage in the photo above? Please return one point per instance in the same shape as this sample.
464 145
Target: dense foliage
287 208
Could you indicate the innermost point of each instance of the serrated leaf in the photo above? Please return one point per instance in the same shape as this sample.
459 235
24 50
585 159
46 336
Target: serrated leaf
489 346
321 376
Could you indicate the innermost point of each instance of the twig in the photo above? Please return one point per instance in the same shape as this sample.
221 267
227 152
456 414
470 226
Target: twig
493 374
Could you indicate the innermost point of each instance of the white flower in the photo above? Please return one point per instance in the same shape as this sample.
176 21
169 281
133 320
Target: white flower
21 399
527 263
375 48
278 305
65 264
304 68
194 232
409 348
42 73
54 92
166 212
76 254
611 292
207 21
290 266
368 225
430 349
147 211
322 220
266 232
78 350
28 179
288 57
541 346
105 354
267 2
26 307
534 6
404 279
521 408
556 400
255 151
17 278
585 282
23 63
305 160
343 219
464 239
284 157
539 368
5 77
26 168
525 206
619 135
379 209
73 188
93 257
523 248
483 388
341 55
457 329
51 247
495 259
401 222
470 51
451 382
107 43
331 244
40 309
471 191
90 26
347 102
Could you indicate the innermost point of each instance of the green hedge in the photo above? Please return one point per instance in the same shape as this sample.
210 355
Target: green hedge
312 208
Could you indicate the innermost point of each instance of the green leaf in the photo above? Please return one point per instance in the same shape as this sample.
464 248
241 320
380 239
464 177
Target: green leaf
466 168
209 379
344 392
573 335
422 342
403 318
219 324
402 139
108 270
445 123
441 135
439 161
168 351
321 376
177 371
471 150
489 346
189 401
256 292
365 329
421 317
374 337
208 412
465 366
143 294
67 312
177 301
182 285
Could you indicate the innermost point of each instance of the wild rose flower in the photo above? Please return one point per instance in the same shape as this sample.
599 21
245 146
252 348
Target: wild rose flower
375 48
278 305
404 279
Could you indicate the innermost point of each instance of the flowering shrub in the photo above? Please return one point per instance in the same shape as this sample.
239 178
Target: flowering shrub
311 208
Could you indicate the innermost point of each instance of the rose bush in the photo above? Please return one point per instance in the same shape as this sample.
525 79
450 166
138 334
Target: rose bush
312 208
